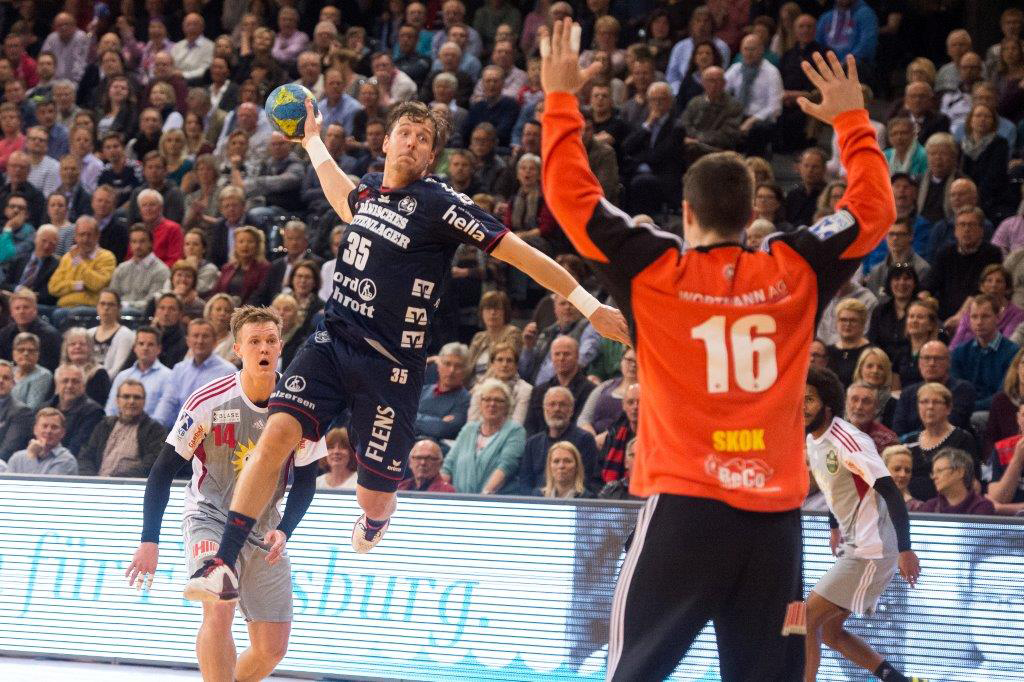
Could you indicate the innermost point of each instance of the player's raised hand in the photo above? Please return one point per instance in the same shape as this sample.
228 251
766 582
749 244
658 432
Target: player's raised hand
910 567
610 324
276 539
143 566
560 58
312 125
840 91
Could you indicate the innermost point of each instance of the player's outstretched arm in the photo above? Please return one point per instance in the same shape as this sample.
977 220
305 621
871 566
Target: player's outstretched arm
299 498
158 490
335 183
608 321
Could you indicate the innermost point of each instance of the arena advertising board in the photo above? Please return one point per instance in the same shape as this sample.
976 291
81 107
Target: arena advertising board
461 589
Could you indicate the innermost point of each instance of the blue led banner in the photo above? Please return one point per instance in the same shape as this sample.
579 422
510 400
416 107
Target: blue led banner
461 589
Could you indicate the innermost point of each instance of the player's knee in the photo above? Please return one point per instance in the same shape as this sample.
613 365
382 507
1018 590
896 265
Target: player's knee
280 437
218 617
271 649
832 633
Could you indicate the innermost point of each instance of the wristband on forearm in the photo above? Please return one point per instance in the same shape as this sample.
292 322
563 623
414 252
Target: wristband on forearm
317 151
584 301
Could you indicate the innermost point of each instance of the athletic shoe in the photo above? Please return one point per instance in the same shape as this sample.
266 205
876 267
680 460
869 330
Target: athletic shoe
364 539
214 582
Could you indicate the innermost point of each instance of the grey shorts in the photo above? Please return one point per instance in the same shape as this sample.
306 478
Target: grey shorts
856 584
265 590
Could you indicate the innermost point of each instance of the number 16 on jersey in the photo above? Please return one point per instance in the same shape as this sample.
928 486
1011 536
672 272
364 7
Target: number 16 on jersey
752 360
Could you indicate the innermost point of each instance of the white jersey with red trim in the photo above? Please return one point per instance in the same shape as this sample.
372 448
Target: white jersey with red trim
216 429
846 464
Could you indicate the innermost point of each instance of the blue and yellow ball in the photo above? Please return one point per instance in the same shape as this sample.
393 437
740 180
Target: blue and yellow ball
286 109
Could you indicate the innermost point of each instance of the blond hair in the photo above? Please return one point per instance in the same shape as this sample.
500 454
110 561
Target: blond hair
250 314
549 483
854 306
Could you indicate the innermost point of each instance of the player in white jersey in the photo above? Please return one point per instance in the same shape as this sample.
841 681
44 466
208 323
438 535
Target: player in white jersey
870 529
214 432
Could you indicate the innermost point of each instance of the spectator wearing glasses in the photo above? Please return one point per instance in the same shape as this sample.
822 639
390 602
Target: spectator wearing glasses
137 278
425 460
934 403
44 171
486 454
953 477
83 272
851 323
112 341
33 384
558 410
124 445
45 454
900 255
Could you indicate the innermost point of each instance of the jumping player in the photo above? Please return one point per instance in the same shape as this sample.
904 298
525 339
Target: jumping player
870 529
215 431
368 355
722 336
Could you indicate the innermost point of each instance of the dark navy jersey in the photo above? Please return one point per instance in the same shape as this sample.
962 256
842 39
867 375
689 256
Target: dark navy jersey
395 259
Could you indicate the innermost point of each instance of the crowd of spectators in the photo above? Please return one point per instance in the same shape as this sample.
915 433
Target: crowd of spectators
145 196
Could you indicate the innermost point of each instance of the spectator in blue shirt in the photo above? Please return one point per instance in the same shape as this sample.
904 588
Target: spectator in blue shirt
443 405
337 106
850 28
984 361
495 108
199 367
146 369
558 410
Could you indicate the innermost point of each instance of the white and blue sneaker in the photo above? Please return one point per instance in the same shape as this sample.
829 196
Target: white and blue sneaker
364 538
214 582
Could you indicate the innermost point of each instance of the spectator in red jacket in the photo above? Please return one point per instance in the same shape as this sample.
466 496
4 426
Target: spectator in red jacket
243 274
168 239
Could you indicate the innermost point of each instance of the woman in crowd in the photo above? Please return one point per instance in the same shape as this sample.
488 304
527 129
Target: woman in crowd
900 463
118 110
768 205
504 363
201 204
1002 415
1010 71
245 271
17 235
527 214
33 383
13 139
888 320
339 465
875 370
997 282
344 60
919 70
829 197
77 350
293 329
496 320
934 404
161 98
303 284
564 477
922 326
659 38
760 169
984 159
196 143
172 148
606 39
705 54
109 64
218 311
327 269
194 249
904 154
851 319
604 405
486 453
785 35
111 341
183 281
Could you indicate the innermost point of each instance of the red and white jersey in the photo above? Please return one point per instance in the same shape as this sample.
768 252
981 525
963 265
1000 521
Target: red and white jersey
846 464
216 429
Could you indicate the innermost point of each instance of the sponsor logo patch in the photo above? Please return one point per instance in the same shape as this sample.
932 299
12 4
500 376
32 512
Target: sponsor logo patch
295 384
738 472
832 462
203 548
407 205
322 336
831 225
185 425
197 437
226 416
367 289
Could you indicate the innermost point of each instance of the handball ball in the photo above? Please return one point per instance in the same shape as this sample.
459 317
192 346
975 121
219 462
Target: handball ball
286 109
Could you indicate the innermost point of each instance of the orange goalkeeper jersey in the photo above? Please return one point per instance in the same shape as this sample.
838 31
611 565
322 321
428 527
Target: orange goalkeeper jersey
721 333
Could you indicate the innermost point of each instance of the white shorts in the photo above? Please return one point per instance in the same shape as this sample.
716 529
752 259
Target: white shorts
264 590
856 584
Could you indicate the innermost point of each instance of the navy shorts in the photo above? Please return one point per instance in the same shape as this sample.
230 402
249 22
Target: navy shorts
329 375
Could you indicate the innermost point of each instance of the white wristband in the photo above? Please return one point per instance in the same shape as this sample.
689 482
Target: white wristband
317 151
583 301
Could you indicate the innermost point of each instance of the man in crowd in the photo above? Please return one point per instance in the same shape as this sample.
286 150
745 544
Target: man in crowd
406 56
956 104
221 234
654 155
167 320
18 166
958 43
792 125
512 79
642 76
460 172
393 85
443 406
984 360
558 410
862 411
900 251
802 200
953 475
336 105
493 107
138 278
33 270
954 276
919 106
45 455
125 444
425 463
57 145
850 28
1006 489
168 239
81 413
565 360
450 61
535 361
600 155
154 172
612 443
712 120
71 187
933 200
933 362
200 367
453 13
295 240
609 126
121 174
963 193
113 226
25 318
273 189
147 370
15 416
82 274
193 53
757 84
70 45
311 74
483 142
44 171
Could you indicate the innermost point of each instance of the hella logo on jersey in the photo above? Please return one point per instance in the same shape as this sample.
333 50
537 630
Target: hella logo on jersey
738 472
470 226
